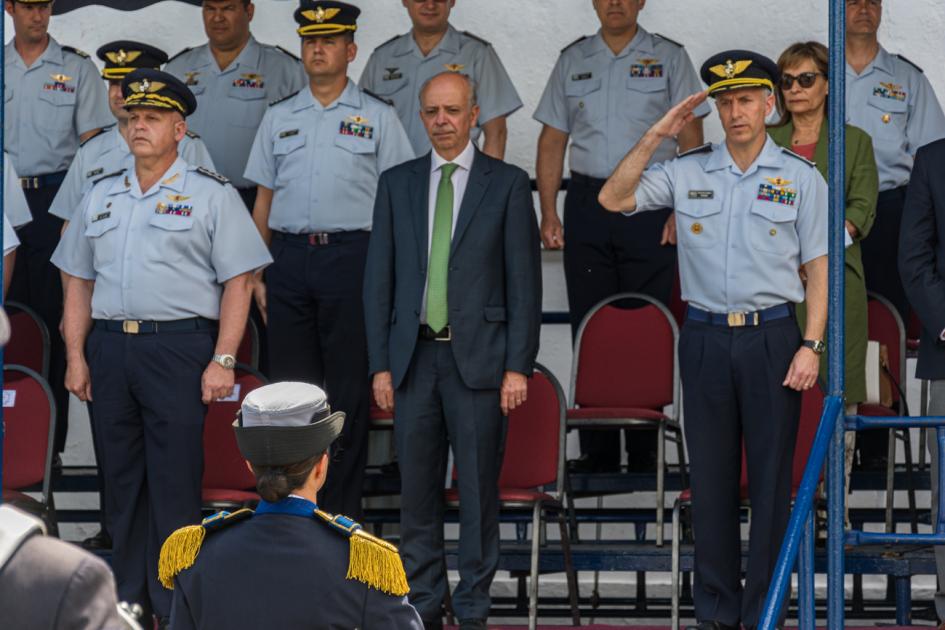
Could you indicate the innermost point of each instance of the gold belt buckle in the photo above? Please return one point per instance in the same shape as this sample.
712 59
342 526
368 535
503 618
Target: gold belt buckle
736 320
130 327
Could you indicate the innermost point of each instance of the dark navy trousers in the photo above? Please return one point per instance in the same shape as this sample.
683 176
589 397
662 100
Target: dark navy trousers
732 392
149 422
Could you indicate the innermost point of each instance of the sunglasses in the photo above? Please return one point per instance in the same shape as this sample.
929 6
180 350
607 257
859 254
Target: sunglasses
805 79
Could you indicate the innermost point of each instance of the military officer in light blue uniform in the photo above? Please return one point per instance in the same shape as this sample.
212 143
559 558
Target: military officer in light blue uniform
605 91
398 69
159 261
107 151
234 78
749 215
317 158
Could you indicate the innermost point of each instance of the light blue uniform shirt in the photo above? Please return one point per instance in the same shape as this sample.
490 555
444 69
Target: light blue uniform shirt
742 236
106 153
161 254
15 206
323 163
48 106
231 102
397 70
606 102
894 103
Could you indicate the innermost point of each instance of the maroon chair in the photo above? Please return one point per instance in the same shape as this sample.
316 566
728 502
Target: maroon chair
625 372
248 351
227 482
29 339
29 419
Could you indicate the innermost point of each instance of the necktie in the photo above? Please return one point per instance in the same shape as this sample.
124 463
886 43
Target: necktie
437 317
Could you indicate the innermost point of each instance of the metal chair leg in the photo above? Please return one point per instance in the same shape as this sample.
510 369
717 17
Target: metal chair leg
890 470
674 621
533 586
660 484
573 593
910 480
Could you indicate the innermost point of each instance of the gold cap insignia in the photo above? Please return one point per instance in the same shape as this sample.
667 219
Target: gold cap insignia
696 228
60 78
730 69
454 67
123 57
178 198
147 86
777 181
320 15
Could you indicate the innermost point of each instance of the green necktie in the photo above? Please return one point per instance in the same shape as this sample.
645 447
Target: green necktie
437 317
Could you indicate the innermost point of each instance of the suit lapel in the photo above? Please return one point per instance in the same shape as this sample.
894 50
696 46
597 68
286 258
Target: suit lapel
475 189
420 202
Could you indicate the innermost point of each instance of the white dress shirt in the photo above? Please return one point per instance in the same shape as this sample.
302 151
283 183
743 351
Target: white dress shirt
460 178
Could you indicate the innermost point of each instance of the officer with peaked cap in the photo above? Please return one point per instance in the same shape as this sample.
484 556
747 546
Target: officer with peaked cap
749 215
254 569
159 261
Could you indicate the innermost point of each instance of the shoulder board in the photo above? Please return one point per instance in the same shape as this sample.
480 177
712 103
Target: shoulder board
574 43
389 41
284 98
705 148
379 98
911 63
76 51
192 135
476 37
96 134
179 551
373 561
800 157
212 175
291 54
666 39
173 57
109 176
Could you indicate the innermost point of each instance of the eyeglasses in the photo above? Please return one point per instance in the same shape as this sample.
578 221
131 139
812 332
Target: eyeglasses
805 79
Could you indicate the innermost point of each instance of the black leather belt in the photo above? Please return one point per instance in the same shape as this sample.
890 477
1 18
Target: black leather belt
323 238
428 334
35 182
585 180
140 327
739 319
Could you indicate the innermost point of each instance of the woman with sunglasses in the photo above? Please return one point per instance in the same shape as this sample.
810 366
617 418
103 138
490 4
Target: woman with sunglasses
802 103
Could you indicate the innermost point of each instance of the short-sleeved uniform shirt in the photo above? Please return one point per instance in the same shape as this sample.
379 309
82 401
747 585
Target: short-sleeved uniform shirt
397 70
742 236
895 104
15 206
48 106
106 153
323 163
231 102
606 102
161 254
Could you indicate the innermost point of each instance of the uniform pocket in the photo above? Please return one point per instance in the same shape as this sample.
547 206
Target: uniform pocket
772 227
290 163
104 240
586 101
699 222
249 107
169 237
892 115
642 84
56 108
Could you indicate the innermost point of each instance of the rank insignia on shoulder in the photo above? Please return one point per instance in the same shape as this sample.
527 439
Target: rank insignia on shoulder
212 175
76 51
179 551
101 217
356 126
702 194
777 193
373 561
284 98
193 135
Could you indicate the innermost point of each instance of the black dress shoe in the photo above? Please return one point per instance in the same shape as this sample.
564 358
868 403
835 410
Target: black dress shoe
472 624
101 540
711 625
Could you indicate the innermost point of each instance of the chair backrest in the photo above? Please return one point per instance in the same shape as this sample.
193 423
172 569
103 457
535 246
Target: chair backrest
812 407
626 357
248 351
886 327
29 425
914 328
29 339
534 443
223 465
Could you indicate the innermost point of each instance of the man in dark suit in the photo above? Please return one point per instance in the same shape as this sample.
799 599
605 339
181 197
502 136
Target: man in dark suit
922 267
452 297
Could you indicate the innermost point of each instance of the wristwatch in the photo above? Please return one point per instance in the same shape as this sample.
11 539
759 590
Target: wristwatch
817 345
226 361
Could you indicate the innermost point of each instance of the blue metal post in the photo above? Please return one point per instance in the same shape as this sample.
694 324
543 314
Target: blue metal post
806 603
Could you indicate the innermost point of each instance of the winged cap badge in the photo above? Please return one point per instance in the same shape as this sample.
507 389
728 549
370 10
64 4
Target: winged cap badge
123 57
730 69
178 198
60 78
777 181
320 15
146 85
454 67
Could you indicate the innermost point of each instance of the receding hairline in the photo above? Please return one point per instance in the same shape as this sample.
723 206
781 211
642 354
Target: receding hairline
467 81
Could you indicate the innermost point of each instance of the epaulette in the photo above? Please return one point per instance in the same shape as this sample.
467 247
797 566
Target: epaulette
110 175
284 98
574 43
666 39
96 134
179 551
380 98
76 51
476 37
705 148
291 54
372 561
192 135
186 50
800 157
389 41
911 63
212 175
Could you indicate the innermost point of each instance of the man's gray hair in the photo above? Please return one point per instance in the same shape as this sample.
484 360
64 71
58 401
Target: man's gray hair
470 82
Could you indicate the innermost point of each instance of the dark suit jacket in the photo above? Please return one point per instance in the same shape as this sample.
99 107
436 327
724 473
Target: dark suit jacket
494 283
922 255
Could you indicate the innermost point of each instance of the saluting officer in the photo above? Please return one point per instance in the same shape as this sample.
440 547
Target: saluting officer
107 150
317 158
159 262
749 215
399 67
284 431
234 78
605 91
53 101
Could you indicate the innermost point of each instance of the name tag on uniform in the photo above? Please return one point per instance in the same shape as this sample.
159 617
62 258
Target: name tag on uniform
702 194
391 74
584 76
101 217
356 126
93 173
289 134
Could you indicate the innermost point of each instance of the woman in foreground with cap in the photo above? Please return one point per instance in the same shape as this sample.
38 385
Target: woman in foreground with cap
288 564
